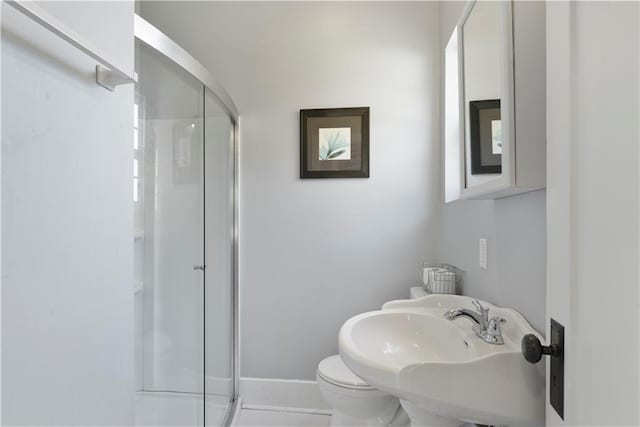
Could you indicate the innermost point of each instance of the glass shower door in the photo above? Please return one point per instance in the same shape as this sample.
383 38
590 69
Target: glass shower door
185 244
219 256
169 241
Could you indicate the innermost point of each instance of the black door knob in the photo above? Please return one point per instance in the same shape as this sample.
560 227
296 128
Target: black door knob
532 349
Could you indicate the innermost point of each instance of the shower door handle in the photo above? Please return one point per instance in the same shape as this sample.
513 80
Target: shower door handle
199 267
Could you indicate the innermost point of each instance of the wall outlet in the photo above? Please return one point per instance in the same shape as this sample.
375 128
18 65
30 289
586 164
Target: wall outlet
482 253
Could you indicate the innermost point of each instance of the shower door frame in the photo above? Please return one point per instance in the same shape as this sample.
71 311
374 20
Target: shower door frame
157 40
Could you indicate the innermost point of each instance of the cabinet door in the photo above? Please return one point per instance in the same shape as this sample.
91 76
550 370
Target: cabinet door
486 98
495 143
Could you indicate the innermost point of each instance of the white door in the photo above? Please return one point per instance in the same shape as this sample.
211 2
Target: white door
593 207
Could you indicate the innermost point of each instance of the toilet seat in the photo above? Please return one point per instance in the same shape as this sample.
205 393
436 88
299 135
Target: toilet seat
334 371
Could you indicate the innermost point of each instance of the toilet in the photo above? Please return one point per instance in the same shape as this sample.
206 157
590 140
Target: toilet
354 402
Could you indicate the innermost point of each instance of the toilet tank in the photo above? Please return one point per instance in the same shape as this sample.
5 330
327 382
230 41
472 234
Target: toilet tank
417 292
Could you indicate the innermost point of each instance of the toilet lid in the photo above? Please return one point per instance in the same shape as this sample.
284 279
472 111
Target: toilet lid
333 370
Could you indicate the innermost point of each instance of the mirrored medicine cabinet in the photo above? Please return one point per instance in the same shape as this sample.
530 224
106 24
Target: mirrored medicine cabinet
494 103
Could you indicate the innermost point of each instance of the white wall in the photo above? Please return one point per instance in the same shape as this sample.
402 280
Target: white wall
514 227
316 252
106 25
67 299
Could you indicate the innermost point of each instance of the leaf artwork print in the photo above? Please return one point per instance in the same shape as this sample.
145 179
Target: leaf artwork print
334 143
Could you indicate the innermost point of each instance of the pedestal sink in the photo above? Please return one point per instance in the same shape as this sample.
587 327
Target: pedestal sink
442 372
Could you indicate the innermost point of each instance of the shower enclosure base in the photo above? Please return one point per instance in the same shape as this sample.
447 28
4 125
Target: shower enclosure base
179 409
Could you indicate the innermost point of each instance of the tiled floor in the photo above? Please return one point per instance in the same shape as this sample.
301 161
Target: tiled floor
265 418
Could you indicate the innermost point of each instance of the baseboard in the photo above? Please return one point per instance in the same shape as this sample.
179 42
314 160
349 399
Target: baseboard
282 395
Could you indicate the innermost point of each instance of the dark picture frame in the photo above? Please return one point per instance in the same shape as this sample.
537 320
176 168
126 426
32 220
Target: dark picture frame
334 143
483 160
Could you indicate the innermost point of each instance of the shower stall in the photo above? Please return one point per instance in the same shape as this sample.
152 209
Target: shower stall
185 241
102 305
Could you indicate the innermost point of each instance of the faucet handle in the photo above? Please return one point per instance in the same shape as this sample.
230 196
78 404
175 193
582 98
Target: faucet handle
480 308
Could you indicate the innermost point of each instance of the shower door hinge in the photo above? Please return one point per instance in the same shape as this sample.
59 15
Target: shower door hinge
109 79
199 267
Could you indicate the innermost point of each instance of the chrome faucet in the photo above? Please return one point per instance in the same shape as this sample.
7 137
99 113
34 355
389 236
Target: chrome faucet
487 329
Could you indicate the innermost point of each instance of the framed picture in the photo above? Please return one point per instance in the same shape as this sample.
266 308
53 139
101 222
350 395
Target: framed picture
485 132
334 143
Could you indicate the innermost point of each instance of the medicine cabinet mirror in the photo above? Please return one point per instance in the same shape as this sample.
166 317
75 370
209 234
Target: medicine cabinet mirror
482 73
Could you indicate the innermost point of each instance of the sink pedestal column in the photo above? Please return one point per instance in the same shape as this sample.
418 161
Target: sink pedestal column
422 418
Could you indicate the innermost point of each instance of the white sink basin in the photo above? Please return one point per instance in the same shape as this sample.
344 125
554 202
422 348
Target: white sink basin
410 350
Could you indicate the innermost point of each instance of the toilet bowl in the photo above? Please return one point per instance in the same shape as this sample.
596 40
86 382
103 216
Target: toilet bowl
354 402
